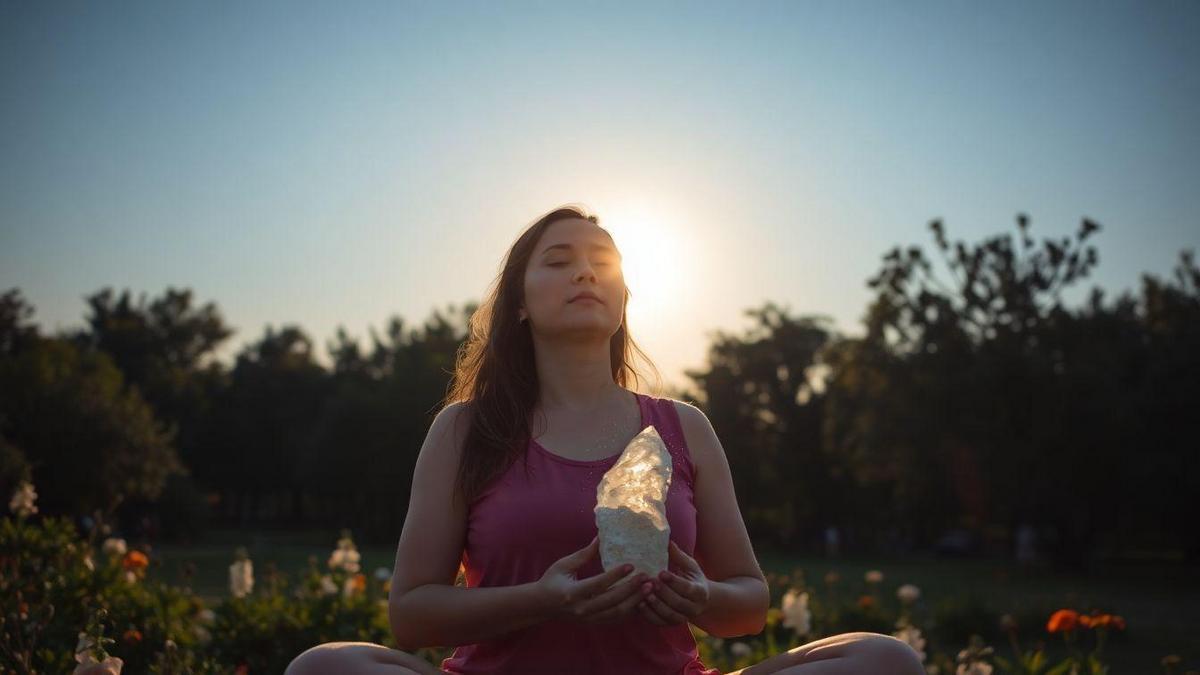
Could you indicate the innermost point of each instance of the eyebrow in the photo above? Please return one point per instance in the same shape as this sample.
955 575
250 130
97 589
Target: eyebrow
594 247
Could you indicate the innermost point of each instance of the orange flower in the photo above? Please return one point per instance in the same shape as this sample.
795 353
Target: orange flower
1097 620
866 601
135 560
1063 620
132 636
360 583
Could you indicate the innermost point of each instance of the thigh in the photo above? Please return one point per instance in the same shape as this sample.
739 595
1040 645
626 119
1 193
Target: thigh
843 654
358 658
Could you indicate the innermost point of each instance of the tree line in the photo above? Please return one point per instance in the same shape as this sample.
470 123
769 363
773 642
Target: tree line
974 399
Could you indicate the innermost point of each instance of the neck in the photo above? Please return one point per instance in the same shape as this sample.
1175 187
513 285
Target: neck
575 376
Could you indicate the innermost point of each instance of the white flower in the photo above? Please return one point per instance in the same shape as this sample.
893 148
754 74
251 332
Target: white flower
908 593
874 576
911 635
327 585
241 578
206 615
114 546
383 574
89 563
740 649
975 668
345 556
795 612
23 498
203 636
83 650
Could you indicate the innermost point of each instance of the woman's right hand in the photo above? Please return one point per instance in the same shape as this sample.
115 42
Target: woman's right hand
608 596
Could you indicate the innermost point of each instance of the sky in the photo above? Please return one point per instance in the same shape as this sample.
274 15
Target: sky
338 164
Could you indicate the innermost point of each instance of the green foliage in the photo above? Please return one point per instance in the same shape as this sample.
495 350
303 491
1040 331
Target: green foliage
91 441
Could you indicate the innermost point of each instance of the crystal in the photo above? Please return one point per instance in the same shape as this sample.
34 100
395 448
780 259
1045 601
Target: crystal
631 513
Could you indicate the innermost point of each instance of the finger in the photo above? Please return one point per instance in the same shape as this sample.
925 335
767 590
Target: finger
599 583
676 554
682 586
625 605
649 614
611 597
664 612
675 601
578 558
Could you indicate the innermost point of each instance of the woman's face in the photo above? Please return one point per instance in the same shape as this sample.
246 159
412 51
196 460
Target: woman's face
574 256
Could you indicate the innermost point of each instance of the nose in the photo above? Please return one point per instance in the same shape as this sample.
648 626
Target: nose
585 272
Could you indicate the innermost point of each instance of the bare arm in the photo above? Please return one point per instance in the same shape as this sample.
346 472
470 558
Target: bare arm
738 594
424 606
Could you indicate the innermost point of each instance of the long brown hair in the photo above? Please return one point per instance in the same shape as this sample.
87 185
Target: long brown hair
495 373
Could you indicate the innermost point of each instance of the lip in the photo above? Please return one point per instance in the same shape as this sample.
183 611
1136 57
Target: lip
586 295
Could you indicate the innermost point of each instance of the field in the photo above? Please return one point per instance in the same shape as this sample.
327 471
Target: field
1158 600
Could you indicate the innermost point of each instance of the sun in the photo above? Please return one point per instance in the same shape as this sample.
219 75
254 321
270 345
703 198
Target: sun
655 256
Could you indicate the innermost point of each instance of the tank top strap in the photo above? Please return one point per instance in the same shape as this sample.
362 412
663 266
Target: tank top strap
661 413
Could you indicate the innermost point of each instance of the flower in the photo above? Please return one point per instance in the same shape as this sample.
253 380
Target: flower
134 564
740 649
345 557
23 498
382 574
114 546
355 584
795 612
241 575
908 594
1097 620
203 636
911 636
135 560
83 650
873 576
327 585
1064 620
132 636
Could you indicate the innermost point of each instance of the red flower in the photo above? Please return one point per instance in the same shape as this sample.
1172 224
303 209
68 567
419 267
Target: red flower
866 602
1063 620
135 560
132 636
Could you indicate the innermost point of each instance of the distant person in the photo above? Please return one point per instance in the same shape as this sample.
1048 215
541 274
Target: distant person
505 484
1026 544
833 542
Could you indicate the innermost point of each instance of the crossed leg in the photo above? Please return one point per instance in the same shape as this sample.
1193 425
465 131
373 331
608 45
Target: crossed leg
358 658
844 654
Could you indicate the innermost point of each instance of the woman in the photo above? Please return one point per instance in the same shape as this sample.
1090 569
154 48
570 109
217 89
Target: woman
506 481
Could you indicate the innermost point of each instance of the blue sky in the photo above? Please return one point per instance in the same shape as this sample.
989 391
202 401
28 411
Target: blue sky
335 164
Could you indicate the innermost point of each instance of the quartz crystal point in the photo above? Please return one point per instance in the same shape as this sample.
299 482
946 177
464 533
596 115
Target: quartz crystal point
631 512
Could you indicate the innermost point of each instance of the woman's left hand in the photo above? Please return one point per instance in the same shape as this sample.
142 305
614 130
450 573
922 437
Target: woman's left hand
676 598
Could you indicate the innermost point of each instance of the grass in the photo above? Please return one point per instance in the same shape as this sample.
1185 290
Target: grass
1158 600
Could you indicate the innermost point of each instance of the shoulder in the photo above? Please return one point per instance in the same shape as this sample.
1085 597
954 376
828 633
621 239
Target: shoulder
698 433
449 430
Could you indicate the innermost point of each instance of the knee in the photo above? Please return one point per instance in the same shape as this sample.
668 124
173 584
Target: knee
350 658
886 654
324 658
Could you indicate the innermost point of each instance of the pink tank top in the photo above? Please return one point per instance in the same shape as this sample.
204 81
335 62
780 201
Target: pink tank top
519 526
